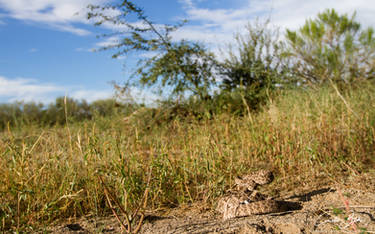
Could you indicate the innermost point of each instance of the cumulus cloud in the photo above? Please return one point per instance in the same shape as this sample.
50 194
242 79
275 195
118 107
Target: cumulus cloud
219 25
27 90
62 14
216 26
293 13
58 14
19 89
71 29
90 95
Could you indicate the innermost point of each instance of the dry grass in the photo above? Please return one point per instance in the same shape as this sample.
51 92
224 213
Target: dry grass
308 138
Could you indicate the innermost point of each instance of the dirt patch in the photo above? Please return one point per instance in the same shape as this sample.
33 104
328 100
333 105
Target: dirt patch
331 209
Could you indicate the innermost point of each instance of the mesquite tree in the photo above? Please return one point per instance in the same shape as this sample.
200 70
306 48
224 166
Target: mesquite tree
180 65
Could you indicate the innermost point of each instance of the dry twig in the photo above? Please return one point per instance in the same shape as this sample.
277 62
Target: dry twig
128 217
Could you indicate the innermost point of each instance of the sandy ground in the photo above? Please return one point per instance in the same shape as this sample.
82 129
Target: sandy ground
336 209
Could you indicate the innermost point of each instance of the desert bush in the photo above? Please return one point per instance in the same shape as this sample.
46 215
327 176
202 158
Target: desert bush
254 65
332 47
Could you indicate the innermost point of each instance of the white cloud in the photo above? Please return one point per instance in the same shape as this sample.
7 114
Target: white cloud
217 26
90 95
71 29
58 14
27 90
293 13
62 14
109 41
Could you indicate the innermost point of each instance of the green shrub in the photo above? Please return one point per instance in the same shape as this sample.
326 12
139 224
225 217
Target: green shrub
332 47
254 66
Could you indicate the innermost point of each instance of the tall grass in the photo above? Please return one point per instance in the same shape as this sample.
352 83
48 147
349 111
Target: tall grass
309 138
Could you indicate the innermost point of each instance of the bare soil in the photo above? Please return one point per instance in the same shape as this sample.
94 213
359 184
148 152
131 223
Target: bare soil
340 208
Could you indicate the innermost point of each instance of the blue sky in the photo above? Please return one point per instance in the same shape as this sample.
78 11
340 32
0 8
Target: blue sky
46 47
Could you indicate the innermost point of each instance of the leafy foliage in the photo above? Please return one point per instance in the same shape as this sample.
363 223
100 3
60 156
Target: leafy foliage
254 65
332 47
185 67
182 65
